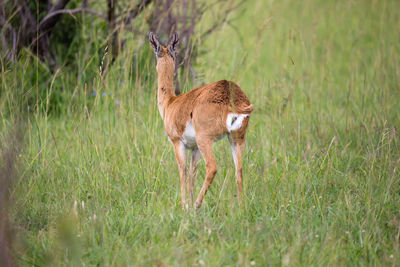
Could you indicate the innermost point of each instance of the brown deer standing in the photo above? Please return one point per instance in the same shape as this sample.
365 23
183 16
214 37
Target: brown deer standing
195 120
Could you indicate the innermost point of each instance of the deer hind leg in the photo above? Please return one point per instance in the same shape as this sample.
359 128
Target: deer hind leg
211 169
238 150
237 146
180 155
194 161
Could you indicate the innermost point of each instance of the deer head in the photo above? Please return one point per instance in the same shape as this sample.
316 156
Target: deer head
161 50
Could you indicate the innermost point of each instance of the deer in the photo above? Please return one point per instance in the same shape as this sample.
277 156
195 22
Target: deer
195 120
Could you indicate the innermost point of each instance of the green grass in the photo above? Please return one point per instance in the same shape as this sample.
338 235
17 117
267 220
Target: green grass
321 179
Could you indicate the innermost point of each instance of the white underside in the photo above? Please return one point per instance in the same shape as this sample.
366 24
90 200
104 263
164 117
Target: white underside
189 136
234 121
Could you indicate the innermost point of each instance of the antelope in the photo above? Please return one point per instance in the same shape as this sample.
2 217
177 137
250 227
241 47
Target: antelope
195 120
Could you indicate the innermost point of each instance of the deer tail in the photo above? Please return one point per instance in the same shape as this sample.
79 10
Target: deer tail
246 110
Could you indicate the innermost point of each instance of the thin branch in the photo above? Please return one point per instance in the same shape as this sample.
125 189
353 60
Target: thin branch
50 21
72 11
60 4
135 12
229 22
217 24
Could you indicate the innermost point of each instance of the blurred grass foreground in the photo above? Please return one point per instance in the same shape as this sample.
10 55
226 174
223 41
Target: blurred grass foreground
89 178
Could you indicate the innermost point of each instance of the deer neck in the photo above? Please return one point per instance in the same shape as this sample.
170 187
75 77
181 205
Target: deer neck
166 89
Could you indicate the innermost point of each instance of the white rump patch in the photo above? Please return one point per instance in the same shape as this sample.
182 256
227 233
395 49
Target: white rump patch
234 121
189 136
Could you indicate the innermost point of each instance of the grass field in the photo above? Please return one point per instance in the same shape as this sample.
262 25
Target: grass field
98 180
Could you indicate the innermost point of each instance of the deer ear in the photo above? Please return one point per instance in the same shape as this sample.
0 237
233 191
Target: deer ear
173 43
154 42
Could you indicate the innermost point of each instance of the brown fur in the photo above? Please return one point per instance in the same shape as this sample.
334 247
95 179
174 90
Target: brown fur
207 107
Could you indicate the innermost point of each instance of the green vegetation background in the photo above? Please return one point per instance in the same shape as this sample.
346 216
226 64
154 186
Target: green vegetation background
98 179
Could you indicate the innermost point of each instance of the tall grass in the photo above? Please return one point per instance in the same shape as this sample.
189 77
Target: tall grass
98 180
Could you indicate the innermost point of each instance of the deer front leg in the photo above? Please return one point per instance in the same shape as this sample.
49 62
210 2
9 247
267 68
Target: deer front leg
180 155
194 161
211 169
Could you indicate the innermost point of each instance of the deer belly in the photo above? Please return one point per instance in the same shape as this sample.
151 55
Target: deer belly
189 136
